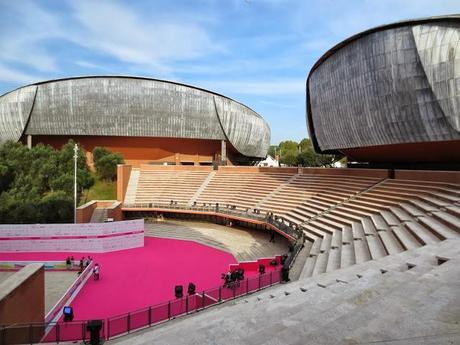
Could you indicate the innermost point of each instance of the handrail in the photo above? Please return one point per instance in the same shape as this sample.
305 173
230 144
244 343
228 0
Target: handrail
68 296
290 228
37 331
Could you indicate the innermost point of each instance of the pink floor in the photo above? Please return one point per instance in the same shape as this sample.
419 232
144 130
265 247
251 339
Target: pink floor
136 278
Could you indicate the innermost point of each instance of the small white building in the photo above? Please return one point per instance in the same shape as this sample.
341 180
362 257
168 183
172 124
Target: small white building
269 162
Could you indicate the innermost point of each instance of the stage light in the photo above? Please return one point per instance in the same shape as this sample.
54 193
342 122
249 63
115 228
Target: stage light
68 313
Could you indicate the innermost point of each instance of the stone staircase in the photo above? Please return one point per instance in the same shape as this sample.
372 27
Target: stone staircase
201 188
99 215
130 196
276 190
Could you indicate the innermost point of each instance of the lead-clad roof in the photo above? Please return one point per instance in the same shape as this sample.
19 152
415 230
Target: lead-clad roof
128 106
394 84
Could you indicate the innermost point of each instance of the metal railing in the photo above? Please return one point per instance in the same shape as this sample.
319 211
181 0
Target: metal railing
51 332
291 229
154 315
56 332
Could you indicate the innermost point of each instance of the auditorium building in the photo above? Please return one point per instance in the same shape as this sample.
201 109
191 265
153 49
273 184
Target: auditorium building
148 121
390 95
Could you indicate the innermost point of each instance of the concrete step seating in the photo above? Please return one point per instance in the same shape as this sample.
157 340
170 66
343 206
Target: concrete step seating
319 190
448 219
164 186
347 221
357 303
423 234
443 230
243 190
454 210
407 240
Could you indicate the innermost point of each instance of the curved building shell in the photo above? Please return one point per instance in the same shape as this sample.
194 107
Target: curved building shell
390 94
155 114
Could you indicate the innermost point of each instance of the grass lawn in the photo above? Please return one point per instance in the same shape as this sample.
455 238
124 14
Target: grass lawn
101 190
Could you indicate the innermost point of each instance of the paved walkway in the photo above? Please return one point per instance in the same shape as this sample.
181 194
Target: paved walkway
4 275
56 283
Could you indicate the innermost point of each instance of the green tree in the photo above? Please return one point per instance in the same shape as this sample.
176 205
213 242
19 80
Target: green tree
302 154
106 163
99 152
288 151
66 164
36 185
56 207
273 149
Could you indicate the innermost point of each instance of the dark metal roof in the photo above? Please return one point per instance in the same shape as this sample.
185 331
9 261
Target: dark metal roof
445 18
131 77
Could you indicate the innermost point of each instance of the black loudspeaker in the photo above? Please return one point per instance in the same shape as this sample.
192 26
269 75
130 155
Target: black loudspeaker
94 328
178 291
285 274
191 289
261 269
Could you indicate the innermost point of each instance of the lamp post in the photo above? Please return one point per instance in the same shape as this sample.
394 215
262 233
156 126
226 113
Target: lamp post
75 158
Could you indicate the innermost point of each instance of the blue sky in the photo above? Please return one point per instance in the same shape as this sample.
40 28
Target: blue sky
256 51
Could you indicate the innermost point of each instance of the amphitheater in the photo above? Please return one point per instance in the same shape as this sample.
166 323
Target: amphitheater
380 261
379 265
373 252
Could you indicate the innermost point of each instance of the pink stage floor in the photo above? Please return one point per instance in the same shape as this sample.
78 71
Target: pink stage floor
137 278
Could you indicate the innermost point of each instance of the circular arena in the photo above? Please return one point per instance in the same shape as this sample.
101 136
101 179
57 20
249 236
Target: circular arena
146 120
330 255
389 94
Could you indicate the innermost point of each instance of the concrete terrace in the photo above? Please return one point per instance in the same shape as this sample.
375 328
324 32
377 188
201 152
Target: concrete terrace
408 298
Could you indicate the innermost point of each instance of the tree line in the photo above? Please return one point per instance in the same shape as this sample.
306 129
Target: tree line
292 153
37 184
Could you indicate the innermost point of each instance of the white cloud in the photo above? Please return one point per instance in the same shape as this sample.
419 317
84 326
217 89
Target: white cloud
24 42
127 36
104 27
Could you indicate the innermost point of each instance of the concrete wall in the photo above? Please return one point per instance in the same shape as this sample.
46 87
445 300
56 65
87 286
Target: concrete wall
84 212
142 150
22 296
379 173
123 175
114 211
254 169
429 175
147 167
